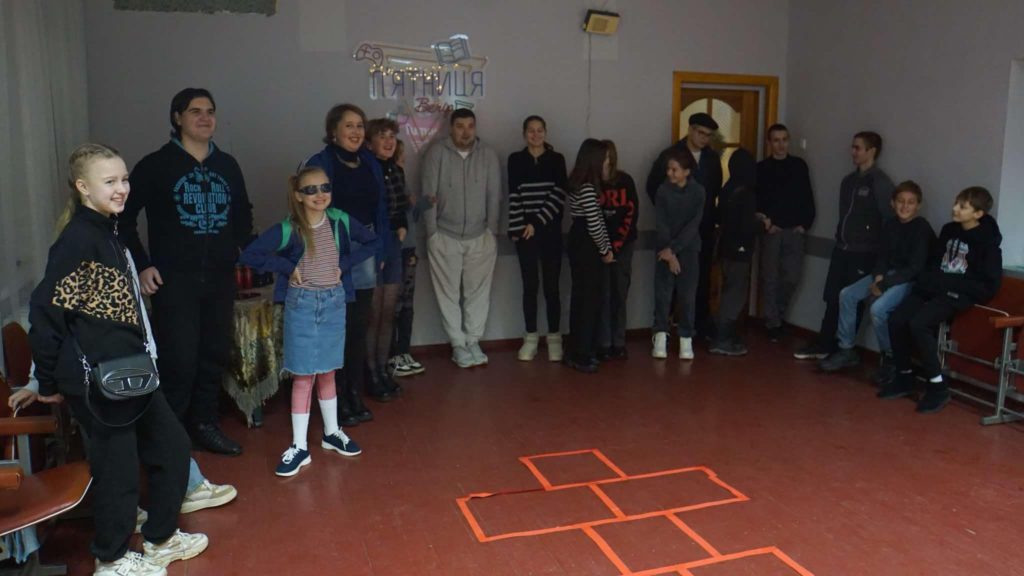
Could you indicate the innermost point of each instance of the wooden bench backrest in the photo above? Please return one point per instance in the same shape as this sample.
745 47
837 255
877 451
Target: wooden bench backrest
976 336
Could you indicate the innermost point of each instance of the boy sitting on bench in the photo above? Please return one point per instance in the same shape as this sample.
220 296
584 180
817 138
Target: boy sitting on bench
966 269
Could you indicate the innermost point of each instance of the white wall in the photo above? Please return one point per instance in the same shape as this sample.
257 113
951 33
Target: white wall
272 95
932 77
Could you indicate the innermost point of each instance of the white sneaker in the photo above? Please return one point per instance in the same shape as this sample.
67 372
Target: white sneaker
528 351
131 564
659 345
462 357
140 518
555 352
686 348
180 546
208 495
479 358
412 364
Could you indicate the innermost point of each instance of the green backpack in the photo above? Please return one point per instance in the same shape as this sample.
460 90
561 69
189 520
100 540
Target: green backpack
332 213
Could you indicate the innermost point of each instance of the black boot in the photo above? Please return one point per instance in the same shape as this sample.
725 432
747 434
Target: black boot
210 437
375 389
389 383
346 417
354 400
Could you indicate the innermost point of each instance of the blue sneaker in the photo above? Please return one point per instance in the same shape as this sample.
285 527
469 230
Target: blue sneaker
292 460
341 444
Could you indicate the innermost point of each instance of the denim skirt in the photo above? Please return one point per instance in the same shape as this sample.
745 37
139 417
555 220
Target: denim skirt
314 330
364 274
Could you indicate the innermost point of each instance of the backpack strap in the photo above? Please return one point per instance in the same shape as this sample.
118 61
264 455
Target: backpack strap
286 233
335 215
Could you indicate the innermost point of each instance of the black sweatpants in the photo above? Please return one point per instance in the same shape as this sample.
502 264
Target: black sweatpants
193 324
357 322
844 269
617 278
541 252
587 293
702 320
159 443
915 322
735 293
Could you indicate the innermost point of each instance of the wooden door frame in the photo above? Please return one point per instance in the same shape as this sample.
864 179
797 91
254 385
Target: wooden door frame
770 84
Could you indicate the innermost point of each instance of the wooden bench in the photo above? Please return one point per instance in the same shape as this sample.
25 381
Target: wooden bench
983 347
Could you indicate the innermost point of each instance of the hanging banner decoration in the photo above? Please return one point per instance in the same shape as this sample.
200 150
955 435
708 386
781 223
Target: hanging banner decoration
428 82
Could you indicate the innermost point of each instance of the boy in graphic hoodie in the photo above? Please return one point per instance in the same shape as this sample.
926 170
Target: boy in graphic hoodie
966 269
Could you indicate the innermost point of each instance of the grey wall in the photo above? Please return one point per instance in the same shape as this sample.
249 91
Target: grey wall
931 76
275 77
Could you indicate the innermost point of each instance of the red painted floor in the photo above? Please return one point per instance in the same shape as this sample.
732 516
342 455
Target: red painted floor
834 481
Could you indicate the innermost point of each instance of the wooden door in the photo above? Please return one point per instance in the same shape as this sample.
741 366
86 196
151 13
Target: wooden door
737 112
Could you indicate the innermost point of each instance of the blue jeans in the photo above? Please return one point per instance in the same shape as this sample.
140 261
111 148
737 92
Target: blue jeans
195 477
860 290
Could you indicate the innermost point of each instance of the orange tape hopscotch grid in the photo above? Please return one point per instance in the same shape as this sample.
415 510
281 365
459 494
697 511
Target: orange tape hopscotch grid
683 569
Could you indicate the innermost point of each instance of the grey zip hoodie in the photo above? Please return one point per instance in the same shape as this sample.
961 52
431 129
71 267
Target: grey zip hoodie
468 190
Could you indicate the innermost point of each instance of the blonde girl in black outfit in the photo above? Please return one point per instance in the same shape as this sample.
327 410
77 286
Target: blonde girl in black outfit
90 293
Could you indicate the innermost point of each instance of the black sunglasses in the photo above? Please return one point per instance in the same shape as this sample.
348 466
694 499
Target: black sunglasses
312 189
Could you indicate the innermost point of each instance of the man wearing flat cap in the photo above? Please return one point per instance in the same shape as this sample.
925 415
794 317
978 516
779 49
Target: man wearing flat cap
709 175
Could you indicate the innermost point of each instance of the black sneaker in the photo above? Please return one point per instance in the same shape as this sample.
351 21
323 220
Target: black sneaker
839 361
617 353
815 351
603 354
587 367
886 371
935 398
901 386
728 348
775 334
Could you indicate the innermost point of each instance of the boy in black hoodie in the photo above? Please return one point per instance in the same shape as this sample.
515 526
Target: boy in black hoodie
199 218
966 269
737 210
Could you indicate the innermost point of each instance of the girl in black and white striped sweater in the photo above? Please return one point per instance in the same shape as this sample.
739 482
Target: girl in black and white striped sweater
536 186
589 252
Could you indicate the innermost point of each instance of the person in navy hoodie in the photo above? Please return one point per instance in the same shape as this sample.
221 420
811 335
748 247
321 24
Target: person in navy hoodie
358 182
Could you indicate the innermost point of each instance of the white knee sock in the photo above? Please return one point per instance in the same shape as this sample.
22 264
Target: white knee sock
300 425
329 410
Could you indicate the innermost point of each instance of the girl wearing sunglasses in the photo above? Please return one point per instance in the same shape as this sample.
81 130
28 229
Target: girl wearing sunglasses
312 251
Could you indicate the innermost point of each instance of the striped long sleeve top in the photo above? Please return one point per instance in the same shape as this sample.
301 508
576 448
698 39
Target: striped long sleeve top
536 189
583 204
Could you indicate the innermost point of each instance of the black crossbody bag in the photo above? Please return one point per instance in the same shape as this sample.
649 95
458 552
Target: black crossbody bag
123 378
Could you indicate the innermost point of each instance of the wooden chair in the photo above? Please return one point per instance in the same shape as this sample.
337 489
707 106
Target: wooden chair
28 499
982 347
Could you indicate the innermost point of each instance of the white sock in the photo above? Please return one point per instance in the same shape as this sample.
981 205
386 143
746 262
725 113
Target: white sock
329 410
300 425
936 379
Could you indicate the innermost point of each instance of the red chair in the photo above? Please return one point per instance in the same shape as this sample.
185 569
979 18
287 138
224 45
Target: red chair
17 355
982 347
